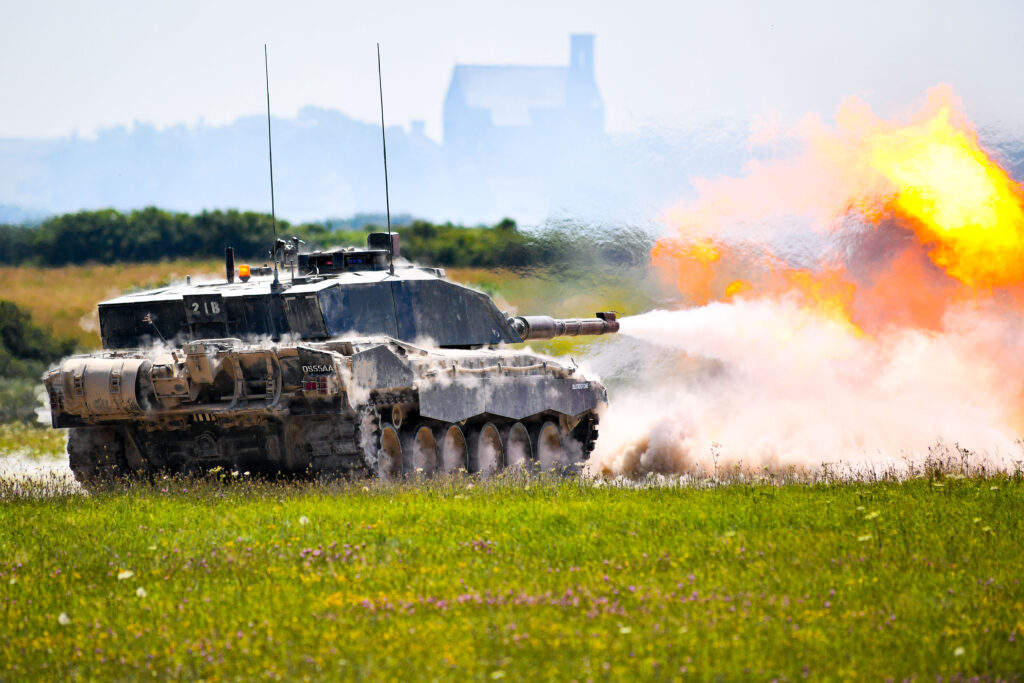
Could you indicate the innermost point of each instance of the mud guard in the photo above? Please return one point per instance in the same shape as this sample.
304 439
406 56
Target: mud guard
381 368
511 397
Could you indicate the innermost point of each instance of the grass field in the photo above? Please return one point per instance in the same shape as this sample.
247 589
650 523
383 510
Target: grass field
34 439
515 579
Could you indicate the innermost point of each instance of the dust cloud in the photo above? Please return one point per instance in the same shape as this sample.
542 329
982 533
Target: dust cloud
767 383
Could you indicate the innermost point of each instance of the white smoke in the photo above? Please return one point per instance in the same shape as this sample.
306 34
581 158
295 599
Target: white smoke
769 383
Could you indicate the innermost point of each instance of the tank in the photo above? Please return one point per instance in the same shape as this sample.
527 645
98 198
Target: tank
350 362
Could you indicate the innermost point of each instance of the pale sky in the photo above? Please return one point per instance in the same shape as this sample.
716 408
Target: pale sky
76 66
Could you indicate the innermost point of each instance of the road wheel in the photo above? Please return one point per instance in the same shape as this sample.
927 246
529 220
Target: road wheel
518 451
454 451
486 454
420 452
389 454
550 446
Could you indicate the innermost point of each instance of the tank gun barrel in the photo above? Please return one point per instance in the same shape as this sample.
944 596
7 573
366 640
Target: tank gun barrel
545 327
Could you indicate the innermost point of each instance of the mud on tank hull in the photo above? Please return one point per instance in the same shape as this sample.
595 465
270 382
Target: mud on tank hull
369 407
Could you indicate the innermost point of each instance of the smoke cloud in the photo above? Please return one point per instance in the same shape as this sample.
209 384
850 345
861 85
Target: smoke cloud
772 384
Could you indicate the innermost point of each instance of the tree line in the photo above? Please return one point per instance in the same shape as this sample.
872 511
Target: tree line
150 234
26 350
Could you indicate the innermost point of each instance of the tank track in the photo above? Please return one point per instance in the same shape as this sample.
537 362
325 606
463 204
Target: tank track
96 453
385 440
398 444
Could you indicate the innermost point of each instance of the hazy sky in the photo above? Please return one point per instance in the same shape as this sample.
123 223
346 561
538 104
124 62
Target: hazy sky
75 66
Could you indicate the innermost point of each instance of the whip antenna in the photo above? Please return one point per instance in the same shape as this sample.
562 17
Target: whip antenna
384 142
270 149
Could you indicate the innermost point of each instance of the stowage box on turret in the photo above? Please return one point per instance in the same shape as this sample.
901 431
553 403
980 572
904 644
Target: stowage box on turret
344 365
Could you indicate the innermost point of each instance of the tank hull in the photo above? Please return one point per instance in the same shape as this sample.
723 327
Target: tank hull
364 407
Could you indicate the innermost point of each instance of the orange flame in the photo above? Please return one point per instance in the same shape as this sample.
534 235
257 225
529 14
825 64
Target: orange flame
916 214
828 293
953 195
697 279
736 288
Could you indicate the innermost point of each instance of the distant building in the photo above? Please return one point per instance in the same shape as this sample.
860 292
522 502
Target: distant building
513 118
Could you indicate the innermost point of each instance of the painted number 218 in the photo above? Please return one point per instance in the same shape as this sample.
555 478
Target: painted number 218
209 307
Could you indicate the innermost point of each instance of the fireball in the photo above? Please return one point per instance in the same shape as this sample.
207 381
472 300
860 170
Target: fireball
919 216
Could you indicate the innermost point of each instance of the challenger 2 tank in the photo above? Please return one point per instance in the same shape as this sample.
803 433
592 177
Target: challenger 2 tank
352 364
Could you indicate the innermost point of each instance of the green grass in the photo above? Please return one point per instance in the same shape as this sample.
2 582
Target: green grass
536 580
31 439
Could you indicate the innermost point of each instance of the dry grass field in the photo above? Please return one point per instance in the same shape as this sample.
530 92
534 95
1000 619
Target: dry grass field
64 299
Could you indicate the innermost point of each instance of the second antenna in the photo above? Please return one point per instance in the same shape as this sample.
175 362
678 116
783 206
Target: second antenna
270 148
384 142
